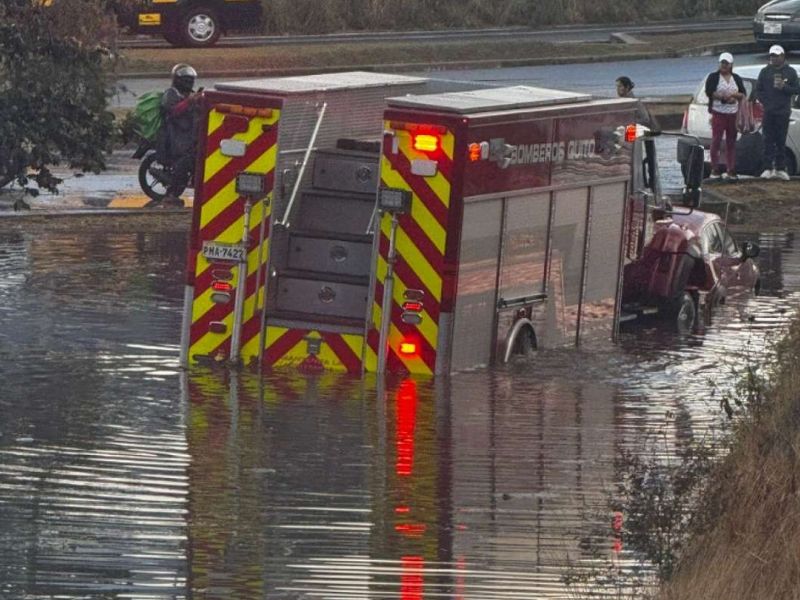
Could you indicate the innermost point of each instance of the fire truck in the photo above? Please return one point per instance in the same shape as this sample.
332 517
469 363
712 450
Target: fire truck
376 223
193 23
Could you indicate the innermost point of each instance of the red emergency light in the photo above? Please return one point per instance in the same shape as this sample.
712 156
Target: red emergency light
414 306
630 133
221 286
426 142
408 348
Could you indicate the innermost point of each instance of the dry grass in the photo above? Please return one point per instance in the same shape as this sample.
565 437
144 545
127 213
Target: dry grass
752 550
308 16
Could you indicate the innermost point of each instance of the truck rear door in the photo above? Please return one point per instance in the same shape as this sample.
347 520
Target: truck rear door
229 245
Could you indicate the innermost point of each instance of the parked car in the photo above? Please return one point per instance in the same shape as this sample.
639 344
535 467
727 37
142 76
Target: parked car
749 147
778 22
694 253
192 23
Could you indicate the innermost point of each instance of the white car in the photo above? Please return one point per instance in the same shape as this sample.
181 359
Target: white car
749 148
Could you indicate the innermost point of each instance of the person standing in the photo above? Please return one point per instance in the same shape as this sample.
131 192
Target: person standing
724 89
777 83
625 86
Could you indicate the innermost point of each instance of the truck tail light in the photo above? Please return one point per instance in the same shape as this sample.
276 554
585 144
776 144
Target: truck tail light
221 286
426 142
412 306
408 348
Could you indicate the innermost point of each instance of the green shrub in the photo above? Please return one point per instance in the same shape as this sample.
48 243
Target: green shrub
53 91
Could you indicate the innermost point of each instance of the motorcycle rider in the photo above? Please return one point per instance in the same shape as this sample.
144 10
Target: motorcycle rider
179 108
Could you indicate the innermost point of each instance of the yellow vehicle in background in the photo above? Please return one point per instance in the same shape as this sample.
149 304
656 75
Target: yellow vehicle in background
192 23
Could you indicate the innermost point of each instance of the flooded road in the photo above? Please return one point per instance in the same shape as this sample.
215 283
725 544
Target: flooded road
120 477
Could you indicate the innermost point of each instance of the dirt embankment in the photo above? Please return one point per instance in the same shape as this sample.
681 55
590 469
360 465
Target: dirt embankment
755 204
415 55
751 548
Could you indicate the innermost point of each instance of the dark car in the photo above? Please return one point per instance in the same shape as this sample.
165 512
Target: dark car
778 22
193 23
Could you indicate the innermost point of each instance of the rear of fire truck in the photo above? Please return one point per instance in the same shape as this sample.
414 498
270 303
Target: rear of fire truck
447 231
287 181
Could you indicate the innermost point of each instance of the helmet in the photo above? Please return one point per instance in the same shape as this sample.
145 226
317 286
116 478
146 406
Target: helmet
183 77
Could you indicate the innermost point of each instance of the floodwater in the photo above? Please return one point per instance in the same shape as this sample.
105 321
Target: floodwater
120 477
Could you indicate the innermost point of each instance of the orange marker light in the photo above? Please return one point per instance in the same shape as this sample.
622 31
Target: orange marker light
474 152
408 348
426 142
247 111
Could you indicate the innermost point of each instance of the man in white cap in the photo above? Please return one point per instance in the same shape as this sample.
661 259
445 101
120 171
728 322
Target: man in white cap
724 89
777 83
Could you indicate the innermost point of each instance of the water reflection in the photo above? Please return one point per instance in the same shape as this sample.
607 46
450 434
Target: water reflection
122 478
328 488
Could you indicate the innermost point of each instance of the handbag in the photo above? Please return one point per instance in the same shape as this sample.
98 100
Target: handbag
745 123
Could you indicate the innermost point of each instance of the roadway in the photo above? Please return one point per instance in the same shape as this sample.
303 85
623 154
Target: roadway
654 77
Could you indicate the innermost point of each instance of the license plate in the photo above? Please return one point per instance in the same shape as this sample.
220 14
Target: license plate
220 251
773 28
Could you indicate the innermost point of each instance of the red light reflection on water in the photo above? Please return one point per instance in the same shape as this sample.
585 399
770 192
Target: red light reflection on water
406 423
411 579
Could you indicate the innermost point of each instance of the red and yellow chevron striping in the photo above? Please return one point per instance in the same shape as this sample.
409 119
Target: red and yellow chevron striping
312 350
220 218
421 242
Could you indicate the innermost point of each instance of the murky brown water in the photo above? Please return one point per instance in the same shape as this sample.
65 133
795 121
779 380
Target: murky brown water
122 478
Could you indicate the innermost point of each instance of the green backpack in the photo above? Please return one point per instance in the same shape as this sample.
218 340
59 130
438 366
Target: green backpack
148 115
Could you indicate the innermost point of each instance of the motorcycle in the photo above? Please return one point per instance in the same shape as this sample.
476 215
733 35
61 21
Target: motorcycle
155 173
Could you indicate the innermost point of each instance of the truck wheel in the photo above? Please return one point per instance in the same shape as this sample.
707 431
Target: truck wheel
682 311
200 27
525 343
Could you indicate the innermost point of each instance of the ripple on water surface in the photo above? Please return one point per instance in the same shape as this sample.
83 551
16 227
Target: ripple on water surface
121 478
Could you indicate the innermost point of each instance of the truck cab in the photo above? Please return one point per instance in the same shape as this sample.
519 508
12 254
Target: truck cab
193 23
679 262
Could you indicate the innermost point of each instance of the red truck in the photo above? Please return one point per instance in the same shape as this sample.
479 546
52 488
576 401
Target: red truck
679 263
365 222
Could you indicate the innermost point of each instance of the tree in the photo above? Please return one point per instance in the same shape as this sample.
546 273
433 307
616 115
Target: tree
54 91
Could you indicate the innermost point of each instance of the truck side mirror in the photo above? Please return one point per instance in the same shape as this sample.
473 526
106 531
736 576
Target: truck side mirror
695 165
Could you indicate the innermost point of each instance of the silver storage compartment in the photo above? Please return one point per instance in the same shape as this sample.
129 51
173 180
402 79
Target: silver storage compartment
346 171
334 212
329 255
355 104
320 297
